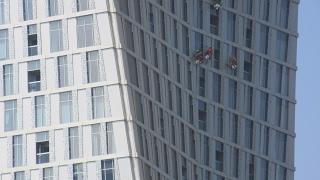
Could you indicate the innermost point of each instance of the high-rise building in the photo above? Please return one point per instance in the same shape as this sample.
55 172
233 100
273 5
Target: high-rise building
147 89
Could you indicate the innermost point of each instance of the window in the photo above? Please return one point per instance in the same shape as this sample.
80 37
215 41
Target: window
151 18
264 66
199 10
248 33
2 12
214 20
185 10
4 44
185 40
48 173
282 19
157 90
231 20
281 146
247 68
53 7
248 100
73 142
145 75
142 45
138 106
93 66
32 40
247 6
219 123
34 76
202 115
234 126
63 71
264 171
124 6
66 107
40 111
264 103
278 111
56 38
85 31
133 70
233 94
137 11
175 33
282 45
278 75
110 139
97 95
28 9
163 26
179 101
10 115
107 170
82 5
202 82
235 162
248 133
184 169
19 175
128 33
17 157
264 38
190 109
265 140
282 173
219 156
42 147
165 59
7 79
78 172
264 9
216 87
96 139
250 166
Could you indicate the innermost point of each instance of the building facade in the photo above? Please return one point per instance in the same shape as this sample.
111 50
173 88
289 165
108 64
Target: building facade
147 89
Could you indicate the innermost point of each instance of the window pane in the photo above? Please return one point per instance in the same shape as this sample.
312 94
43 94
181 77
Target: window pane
96 139
53 7
73 142
17 151
8 79
40 111
63 71
85 31
10 116
65 107
27 10
4 44
93 66
107 170
56 41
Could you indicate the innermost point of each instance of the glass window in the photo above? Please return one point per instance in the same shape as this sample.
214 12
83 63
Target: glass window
133 70
233 88
231 20
264 171
151 18
32 40
85 31
282 45
63 70
146 83
202 115
248 100
234 126
282 19
264 9
137 10
281 146
28 9
8 79
107 170
82 5
4 44
248 33
264 66
264 103
282 173
265 140
128 32
219 123
2 11
93 66
66 107
42 147
185 40
98 108
247 6
53 7
110 139
19 175
202 82
216 87
185 10
248 133
219 156
40 111
235 162
34 76
124 6
48 173
264 39
78 172
96 139
214 20
247 67
157 86
56 38
17 157
73 142
10 115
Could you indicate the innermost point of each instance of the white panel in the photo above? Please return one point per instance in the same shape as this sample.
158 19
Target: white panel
6 177
63 172
125 169
14 7
72 33
55 110
82 98
18 42
110 66
77 68
34 174
1 115
46 41
23 84
92 171
119 130
59 144
100 4
4 152
51 67
115 102
87 141
42 9
31 149
27 114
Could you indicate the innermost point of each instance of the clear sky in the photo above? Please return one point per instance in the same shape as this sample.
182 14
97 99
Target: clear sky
308 92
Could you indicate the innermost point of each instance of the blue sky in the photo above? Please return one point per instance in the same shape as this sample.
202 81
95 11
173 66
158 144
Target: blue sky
308 92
